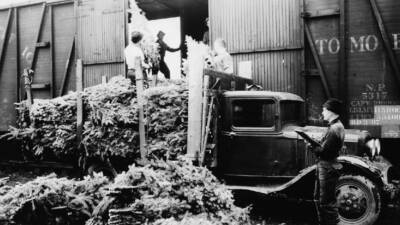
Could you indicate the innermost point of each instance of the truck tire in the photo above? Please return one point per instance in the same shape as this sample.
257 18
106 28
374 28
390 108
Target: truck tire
358 200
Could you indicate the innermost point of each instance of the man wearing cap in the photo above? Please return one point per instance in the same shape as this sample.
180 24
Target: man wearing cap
327 166
133 52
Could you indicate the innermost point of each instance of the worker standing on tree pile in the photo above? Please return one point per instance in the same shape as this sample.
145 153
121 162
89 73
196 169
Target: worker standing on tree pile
163 47
220 58
327 166
132 51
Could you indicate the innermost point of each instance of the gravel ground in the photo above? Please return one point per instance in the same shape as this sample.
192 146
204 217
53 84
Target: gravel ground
270 211
265 211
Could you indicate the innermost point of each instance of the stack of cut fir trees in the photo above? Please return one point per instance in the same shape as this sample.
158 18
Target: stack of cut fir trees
170 190
173 192
48 128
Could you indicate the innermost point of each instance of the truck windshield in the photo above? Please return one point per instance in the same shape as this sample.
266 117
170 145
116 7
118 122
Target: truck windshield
291 112
253 113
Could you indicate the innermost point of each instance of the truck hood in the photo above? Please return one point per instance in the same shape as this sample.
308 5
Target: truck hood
316 132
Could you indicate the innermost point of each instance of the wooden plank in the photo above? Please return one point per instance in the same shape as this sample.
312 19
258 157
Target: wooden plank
183 35
225 76
303 81
214 142
35 52
321 13
17 64
139 92
195 81
227 81
67 67
386 41
126 37
317 61
207 131
99 62
5 38
206 82
343 61
79 101
43 86
52 67
263 50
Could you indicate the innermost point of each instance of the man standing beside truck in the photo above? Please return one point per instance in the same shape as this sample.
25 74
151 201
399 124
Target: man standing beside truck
327 166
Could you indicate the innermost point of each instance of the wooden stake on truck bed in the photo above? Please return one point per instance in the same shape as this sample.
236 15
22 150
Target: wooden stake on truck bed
207 131
79 102
195 80
139 94
206 81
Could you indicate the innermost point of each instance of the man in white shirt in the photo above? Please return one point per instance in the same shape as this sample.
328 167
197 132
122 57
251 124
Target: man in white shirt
222 60
132 52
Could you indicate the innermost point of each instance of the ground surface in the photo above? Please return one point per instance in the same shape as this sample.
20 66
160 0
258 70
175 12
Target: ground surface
266 211
277 212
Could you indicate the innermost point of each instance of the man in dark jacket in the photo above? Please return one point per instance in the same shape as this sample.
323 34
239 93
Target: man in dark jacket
163 47
327 166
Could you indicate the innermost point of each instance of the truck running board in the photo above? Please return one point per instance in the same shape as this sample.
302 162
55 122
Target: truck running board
268 189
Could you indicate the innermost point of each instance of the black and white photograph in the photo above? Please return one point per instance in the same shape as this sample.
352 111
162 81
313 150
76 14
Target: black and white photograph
199 112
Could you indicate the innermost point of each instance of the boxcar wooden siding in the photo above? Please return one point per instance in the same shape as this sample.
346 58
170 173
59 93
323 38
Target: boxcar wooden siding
44 30
49 36
269 33
100 36
370 78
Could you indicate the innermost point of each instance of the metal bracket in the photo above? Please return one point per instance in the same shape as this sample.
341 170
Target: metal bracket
43 44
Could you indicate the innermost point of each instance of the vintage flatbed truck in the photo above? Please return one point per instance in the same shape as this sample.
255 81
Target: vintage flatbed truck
252 144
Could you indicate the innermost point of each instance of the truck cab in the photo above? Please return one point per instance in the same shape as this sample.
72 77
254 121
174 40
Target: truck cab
258 150
253 125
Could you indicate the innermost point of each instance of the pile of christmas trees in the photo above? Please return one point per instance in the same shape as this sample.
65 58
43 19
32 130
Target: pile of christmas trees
168 192
39 201
110 122
160 193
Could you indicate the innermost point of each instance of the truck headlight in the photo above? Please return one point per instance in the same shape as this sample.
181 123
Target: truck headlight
374 146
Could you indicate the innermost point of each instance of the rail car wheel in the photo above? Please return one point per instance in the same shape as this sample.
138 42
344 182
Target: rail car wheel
358 200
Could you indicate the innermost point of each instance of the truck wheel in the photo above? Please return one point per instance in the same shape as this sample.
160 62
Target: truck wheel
358 200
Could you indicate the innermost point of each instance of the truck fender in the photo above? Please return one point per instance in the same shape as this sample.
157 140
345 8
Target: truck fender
363 166
376 170
305 179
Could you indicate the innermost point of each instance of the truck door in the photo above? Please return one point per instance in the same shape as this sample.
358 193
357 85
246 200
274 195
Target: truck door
251 144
